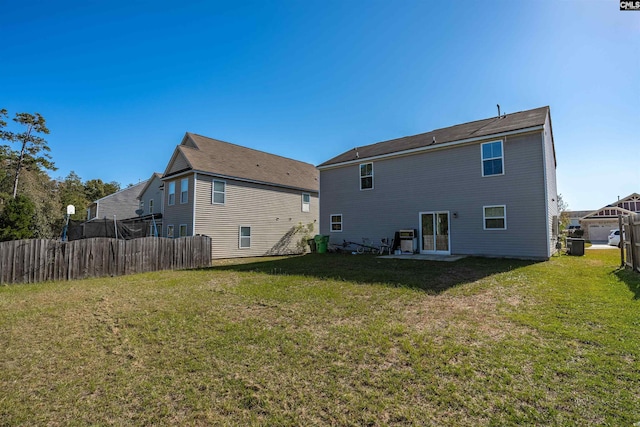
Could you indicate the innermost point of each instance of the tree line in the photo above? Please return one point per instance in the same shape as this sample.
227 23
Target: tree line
32 204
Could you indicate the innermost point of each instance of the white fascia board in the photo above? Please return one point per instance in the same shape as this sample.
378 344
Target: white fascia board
434 147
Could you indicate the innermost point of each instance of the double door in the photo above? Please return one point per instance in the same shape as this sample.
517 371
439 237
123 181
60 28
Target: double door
434 233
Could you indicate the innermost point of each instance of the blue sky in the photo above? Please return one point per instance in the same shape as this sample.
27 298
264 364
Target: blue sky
119 83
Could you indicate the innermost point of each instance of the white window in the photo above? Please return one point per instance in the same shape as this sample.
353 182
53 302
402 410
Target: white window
336 223
184 190
306 202
245 237
366 176
495 217
151 206
141 207
492 158
172 193
183 230
170 231
219 190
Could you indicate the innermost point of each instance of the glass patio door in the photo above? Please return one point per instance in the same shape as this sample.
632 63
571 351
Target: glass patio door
434 238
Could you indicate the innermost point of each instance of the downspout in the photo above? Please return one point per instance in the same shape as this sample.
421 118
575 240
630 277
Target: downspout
193 217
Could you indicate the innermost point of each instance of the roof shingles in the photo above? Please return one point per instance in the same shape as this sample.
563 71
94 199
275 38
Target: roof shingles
230 160
476 129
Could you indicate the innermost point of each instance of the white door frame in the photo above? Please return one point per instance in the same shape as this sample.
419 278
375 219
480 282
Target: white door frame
421 238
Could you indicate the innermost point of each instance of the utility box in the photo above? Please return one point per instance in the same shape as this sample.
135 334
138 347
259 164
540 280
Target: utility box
408 241
575 247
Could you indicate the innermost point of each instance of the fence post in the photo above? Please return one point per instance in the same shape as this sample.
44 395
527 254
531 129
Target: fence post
621 228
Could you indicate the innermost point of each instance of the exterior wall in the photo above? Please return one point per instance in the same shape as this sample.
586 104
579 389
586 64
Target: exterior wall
272 213
553 213
448 179
179 213
154 193
122 204
179 164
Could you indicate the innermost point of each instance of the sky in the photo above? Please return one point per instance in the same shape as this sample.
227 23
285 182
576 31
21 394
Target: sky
120 83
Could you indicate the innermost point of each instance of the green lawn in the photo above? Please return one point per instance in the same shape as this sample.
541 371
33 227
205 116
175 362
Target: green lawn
328 340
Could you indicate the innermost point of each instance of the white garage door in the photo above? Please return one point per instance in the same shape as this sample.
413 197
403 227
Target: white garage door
599 232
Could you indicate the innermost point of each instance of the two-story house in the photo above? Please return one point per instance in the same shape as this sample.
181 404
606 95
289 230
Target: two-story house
485 188
249 202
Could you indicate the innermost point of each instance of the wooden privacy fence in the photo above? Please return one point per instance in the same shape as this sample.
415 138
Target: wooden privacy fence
28 261
630 240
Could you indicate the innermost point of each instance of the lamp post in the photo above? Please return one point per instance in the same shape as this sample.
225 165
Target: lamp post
70 211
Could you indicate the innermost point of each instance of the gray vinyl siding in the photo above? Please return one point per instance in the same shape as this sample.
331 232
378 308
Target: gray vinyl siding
122 204
553 213
153 192
179 164
271 212
179 213
448 179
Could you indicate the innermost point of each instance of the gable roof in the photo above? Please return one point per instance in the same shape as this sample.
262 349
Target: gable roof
208 155
473 130
148 183
607 212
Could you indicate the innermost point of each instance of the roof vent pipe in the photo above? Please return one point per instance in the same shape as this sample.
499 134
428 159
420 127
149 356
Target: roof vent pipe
498 109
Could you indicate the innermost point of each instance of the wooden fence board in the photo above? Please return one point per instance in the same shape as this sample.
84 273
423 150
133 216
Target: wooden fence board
37 260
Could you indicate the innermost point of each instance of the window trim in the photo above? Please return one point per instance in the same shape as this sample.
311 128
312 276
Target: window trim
213 192
240 237
170 227
306 206
150 206
184 194
365 176
485 217
171 191
482 159
186 230
331 223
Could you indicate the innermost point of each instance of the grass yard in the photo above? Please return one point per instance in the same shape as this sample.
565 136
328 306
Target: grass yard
328 340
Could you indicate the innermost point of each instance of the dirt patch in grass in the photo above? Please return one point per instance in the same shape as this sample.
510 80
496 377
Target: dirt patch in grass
479 316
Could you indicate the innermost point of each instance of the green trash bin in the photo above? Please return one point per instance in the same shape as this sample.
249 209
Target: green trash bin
321 243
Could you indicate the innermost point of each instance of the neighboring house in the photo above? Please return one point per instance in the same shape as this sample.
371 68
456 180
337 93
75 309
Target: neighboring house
150 205
249 202
121 205
599 223
485 188
575 217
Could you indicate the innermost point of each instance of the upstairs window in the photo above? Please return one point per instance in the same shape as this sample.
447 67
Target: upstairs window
184 190
151 206
495 217
306 202
171 200
366 176
219 190
492 158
